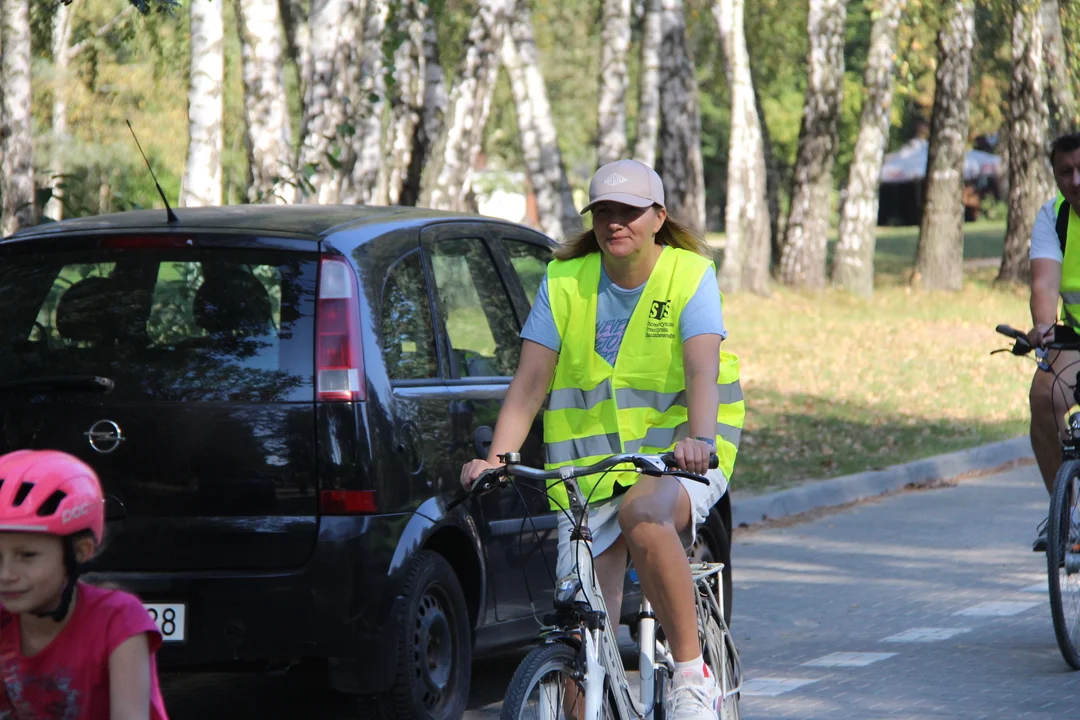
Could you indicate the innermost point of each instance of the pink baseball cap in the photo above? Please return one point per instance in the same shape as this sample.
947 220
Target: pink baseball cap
628 182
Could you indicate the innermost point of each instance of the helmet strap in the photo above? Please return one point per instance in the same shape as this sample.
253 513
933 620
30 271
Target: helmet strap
72 567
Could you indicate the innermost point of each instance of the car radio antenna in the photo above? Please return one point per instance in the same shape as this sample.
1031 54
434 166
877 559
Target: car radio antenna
170 215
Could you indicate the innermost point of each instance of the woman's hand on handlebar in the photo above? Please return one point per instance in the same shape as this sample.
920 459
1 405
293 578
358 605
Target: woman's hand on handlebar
693 455
1041 335
474 469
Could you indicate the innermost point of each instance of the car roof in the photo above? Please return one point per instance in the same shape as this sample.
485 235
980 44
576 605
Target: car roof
314 222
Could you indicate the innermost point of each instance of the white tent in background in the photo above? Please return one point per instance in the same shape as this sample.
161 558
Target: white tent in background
908 164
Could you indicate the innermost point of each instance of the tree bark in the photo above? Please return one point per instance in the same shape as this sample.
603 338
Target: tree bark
368 107
853 264
206 110
939 261
536 128
432 111
1030 183
447 179
802 257
265 105
406 99
326 153
1063 110
772 183
747 249
294 21
61 51
679 161
16 135
648 115
614 78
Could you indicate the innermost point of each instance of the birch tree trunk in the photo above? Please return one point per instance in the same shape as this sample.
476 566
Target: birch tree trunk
406 99
431 114
206 108
447 179
368 107
1030 176
16 134
536 128
614 56
648 116
679 161
939 261
326 153
747 249
853 264
772 183
265 105
297 38
61 50
1063 110
802 257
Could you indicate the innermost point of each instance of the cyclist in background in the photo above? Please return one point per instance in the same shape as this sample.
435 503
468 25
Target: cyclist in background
625 332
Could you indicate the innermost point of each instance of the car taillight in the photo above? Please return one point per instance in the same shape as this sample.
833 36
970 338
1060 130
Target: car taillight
347 502
339 360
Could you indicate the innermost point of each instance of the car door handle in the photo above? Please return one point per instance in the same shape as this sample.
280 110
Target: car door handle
482 440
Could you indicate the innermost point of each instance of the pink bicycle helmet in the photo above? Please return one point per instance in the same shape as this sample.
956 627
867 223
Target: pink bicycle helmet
49 491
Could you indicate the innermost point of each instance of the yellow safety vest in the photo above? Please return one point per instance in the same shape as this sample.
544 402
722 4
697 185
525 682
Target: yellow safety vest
1068 228
593 409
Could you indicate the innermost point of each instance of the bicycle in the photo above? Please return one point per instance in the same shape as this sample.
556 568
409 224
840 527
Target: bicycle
578 644
1063 522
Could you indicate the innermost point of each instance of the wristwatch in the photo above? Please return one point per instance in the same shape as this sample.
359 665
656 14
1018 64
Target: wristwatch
709 440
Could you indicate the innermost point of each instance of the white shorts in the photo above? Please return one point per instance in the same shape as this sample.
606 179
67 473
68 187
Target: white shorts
604 518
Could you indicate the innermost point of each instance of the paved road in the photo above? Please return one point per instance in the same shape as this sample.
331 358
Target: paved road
922 605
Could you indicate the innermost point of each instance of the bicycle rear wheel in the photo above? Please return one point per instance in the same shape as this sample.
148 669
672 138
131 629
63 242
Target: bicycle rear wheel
1063 561
544 687
721 661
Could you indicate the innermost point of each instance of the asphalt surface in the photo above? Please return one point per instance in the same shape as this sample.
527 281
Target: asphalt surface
923 604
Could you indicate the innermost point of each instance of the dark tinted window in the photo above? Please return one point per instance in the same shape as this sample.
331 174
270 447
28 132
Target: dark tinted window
530 263
476 309
408 336
183 325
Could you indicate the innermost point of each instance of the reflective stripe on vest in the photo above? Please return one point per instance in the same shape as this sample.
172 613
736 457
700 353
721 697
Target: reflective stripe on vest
640 405
1070 266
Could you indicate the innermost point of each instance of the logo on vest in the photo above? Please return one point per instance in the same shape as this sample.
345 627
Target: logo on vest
659 326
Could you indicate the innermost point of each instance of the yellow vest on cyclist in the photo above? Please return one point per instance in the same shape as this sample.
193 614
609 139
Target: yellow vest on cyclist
1070 266
593 409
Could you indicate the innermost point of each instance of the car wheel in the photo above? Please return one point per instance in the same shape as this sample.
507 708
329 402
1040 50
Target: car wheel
434 644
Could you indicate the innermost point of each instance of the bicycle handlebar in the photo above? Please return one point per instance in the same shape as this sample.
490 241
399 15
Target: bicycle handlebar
1023 346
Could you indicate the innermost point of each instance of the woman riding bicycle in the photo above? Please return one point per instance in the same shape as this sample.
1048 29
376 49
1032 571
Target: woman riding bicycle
624 343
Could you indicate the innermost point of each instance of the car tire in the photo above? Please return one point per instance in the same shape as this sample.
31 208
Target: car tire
433 644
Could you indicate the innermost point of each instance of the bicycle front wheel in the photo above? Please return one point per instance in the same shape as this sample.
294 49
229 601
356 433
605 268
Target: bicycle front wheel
1063 561
544 687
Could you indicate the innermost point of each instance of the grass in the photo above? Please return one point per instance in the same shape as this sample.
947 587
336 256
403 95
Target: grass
836 384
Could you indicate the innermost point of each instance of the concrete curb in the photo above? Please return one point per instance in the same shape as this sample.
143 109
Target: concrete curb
837 491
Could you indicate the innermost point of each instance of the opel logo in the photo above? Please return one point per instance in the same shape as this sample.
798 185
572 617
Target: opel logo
104 436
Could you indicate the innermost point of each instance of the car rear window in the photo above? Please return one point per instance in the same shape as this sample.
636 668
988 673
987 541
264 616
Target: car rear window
165 324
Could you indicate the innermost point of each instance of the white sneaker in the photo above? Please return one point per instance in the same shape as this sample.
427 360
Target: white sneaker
692 699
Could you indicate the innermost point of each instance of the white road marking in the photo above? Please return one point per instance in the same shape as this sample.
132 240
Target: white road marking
997 608
925 634
771 687
848 659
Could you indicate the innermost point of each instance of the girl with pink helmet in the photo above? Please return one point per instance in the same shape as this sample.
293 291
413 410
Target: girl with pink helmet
68 650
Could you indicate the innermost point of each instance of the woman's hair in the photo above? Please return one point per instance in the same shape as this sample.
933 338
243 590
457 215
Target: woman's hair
672 232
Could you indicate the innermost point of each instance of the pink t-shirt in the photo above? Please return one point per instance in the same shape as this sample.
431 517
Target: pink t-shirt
69 678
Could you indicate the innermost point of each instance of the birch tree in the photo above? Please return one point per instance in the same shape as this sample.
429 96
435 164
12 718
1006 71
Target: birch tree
536 128
16 133
614 78
61 50
679 162
853 265
747 247
648 115
265 105
802 256
326 155
367 107
206 110
1030 176
447 179
1063 110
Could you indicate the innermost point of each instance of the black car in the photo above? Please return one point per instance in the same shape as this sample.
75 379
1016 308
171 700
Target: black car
278 400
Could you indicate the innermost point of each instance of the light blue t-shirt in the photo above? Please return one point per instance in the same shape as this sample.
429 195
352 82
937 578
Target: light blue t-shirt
702 315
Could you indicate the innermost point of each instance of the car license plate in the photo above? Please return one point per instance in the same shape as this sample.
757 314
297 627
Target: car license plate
170 618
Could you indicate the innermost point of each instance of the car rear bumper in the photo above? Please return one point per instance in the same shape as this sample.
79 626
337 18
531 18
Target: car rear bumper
338 605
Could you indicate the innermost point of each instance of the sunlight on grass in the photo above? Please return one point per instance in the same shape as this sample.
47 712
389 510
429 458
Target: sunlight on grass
836 384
